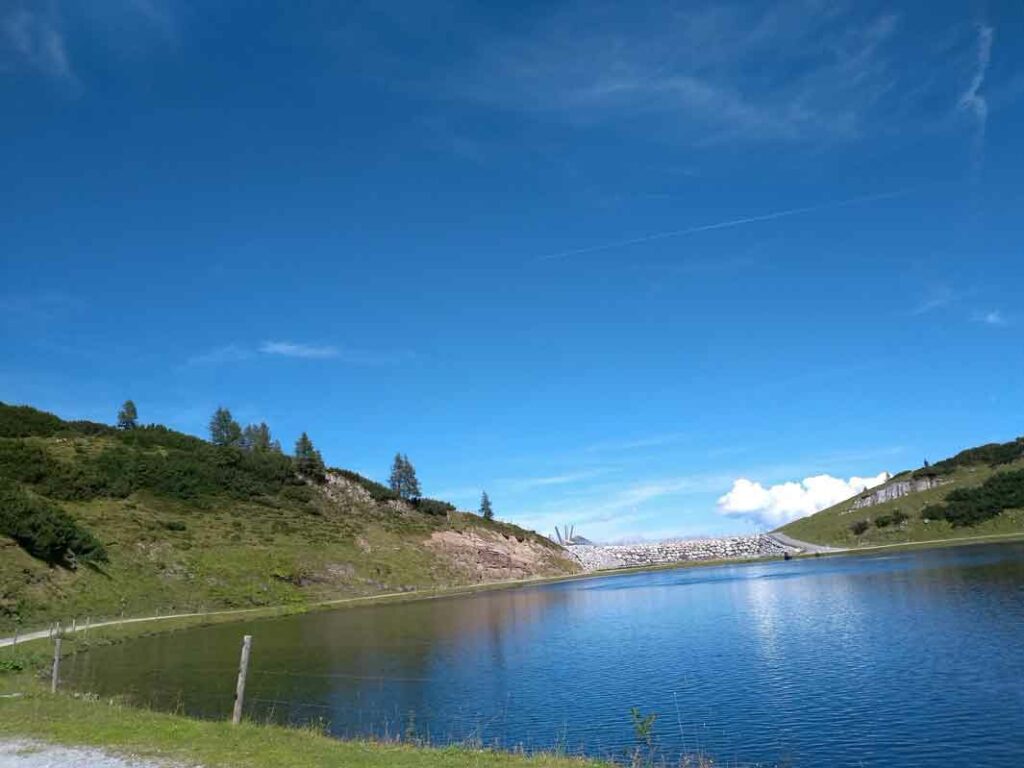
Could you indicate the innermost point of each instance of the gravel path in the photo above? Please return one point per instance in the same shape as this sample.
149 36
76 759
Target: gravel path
35 754
789 541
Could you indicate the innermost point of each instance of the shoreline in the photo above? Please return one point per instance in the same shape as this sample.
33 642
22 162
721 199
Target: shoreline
187 620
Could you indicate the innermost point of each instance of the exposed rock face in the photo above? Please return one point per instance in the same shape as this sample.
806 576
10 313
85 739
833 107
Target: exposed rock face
486 555
595 557
895 490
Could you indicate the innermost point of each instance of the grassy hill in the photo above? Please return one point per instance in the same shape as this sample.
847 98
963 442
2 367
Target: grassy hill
96 521
978 492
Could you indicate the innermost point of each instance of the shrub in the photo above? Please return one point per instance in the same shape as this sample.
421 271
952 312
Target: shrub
46 531
175 525
859 527
970 506
883 521
992 454
433 506
899 518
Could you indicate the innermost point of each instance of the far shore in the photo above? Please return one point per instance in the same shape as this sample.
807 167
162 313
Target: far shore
145 625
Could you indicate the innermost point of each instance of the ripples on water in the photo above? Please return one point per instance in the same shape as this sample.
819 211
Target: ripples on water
902 659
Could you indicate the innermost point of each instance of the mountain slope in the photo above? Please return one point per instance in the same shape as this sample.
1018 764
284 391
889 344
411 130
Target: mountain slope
100 521
978 492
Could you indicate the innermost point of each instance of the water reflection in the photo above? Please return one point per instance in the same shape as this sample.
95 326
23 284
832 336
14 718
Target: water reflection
887 660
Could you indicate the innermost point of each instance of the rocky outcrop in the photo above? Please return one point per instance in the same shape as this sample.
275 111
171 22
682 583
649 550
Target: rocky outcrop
488 555
894 490
598 557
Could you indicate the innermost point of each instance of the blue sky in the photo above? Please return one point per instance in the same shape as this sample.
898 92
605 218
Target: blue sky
603 260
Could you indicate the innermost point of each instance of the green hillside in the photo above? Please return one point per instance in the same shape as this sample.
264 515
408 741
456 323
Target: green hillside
96 521
978 492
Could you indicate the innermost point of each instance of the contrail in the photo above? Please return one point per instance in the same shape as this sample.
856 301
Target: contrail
724 224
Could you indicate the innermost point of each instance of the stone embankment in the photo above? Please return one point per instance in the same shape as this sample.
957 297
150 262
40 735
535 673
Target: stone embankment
891 491
596 557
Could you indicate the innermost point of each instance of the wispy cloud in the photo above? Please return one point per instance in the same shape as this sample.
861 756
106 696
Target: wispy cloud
992 317
614 509
973 99
293 349
717 72
545 481
653 441
937 298
35 39
727 224
233 353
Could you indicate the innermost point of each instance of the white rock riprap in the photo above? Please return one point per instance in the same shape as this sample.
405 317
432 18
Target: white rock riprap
595 557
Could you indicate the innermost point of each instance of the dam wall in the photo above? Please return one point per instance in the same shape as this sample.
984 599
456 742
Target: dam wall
595 557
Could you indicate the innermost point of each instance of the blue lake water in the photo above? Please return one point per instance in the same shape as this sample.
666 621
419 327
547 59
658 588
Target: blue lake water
910 659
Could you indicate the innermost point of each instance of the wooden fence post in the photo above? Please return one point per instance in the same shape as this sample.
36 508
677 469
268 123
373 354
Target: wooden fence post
243 669
55 676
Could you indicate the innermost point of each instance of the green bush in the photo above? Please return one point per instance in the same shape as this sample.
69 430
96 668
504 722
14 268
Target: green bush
992 454
23 421
433 506
859 527
970 506
899 518
883 521
46 531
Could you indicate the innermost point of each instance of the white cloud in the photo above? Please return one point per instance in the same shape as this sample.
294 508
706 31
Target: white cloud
973 99
292 349
992 317
782 503
714 73
35 40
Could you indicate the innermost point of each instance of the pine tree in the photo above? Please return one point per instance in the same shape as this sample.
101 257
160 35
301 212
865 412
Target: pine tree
308 461
128 416
403 478
412 484
486 511
395 481
224 430
256 437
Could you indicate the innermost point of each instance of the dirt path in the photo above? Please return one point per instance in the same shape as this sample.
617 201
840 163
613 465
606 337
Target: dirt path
34 754
805 546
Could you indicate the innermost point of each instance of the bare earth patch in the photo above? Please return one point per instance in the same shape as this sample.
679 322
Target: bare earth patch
34 754
492 556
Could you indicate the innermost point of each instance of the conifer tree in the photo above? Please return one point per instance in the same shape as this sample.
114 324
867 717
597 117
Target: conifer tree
256 437
308 461
128 416
403 478
397 474
486 511
224 430
412 484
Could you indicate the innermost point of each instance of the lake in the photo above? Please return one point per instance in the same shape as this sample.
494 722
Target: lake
915 658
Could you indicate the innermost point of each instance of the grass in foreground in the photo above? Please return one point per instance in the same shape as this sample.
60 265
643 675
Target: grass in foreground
66 720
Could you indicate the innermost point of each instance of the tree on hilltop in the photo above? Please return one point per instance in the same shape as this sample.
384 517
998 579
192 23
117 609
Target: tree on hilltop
224 430
128 416
403 479
308 461
257 438
486 511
